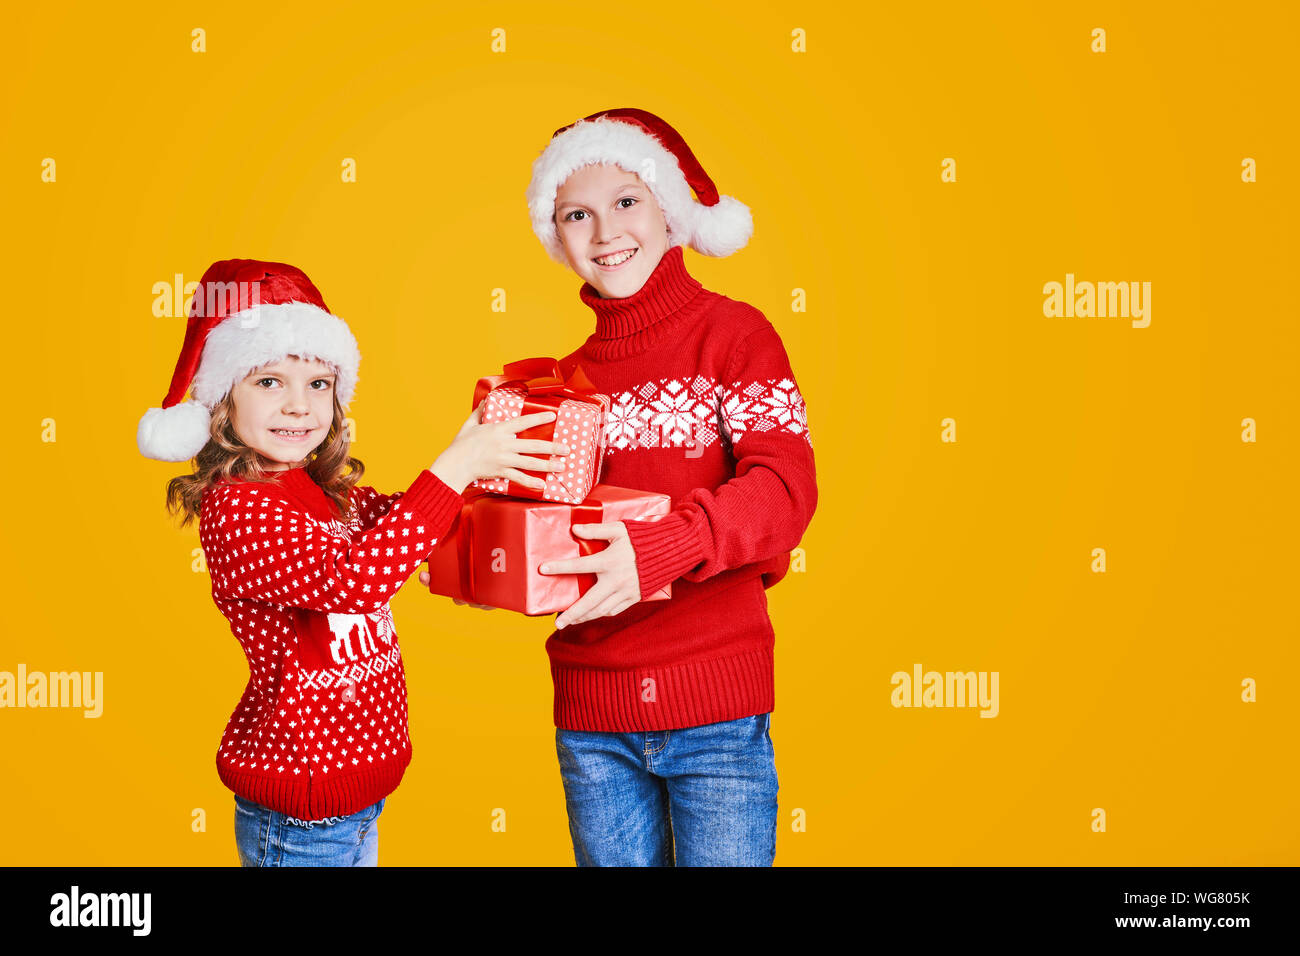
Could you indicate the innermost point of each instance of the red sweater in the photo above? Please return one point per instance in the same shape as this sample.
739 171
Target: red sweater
321 728
706 410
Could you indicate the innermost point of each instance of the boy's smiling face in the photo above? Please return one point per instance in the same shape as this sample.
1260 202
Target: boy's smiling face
611 227
291 394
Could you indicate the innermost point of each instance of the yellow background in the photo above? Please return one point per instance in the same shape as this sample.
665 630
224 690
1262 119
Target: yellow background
1118 690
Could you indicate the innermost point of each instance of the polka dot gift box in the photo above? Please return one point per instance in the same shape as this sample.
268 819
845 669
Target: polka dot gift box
535 385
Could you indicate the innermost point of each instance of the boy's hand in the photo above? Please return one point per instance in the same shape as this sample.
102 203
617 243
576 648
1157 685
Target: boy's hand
424 579
617 585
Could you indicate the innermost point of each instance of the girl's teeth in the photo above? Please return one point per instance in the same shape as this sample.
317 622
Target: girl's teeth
615 260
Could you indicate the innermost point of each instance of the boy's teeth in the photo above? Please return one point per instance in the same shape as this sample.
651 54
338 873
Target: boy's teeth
616 259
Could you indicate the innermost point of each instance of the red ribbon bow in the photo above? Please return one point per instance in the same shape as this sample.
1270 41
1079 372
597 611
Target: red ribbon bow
538 376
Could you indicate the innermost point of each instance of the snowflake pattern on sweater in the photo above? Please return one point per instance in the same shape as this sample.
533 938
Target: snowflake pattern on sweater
673 413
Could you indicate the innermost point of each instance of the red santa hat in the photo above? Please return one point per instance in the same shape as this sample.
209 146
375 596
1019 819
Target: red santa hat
641 143
245 314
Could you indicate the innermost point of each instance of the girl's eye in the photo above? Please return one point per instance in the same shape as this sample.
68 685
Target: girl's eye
576 212
322 381
630 199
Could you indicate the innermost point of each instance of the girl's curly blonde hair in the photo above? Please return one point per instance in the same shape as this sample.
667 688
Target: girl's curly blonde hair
225 457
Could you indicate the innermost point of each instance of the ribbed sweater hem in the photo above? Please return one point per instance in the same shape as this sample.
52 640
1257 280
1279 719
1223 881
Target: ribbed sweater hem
685 695
316 796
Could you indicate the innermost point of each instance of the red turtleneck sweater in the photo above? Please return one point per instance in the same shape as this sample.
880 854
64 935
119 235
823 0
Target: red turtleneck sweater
706 410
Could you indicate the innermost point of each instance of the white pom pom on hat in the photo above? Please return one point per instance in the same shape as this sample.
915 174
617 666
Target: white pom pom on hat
176 433
246 313
641 143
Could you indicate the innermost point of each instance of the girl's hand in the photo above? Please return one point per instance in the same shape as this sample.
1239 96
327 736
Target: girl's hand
424 579
492 451
617 585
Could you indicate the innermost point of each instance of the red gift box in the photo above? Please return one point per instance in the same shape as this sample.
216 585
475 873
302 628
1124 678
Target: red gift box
493 551
535 385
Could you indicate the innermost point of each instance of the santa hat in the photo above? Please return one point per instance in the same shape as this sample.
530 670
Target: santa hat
644 144
245 314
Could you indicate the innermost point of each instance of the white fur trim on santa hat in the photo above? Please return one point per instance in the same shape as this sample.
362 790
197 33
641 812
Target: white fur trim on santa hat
267 333
711 230
174 434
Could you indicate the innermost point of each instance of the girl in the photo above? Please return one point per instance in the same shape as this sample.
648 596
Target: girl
303 560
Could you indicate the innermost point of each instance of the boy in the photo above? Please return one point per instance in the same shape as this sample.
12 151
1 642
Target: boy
663 708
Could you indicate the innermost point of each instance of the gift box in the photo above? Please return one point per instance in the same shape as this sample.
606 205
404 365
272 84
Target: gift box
535 385
493 551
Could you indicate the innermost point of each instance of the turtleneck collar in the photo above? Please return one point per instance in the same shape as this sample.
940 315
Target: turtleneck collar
303 487
634 323
297 472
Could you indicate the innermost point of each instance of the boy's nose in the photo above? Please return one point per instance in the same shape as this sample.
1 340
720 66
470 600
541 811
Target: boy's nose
604 231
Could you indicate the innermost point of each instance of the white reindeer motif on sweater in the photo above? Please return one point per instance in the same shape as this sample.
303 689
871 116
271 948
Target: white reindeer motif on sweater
376 624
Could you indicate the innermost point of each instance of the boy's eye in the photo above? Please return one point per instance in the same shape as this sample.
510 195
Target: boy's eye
261 380
576 212
628 199
323 381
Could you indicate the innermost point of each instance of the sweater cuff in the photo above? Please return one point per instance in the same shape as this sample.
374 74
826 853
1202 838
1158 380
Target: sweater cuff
665 550
431 499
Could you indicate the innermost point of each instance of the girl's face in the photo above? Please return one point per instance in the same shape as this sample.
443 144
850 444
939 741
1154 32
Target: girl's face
284 410
612 229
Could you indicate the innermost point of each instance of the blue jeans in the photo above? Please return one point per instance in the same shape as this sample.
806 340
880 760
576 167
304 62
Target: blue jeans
698 796
266 837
